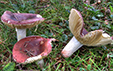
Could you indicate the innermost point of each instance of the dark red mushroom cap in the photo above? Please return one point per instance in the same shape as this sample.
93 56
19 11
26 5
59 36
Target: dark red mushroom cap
32 46
21 20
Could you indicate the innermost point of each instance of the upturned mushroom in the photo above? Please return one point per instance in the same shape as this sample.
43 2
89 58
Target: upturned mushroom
82 36
32 48
21 21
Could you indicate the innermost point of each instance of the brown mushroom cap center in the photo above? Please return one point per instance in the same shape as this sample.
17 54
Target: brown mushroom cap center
20 16
32 47
35 49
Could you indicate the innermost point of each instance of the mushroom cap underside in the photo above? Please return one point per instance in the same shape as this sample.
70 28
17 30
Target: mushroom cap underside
21 20
93 38
30 47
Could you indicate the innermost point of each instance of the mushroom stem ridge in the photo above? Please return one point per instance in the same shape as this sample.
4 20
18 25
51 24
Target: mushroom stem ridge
21 33
72 46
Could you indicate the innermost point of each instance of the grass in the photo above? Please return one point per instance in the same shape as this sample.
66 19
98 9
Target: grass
56 13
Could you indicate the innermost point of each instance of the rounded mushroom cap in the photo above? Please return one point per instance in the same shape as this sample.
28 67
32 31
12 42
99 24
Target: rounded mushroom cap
93 38
31 48
21 20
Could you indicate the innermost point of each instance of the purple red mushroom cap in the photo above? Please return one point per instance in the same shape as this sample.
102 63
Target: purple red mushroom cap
31 46
21 20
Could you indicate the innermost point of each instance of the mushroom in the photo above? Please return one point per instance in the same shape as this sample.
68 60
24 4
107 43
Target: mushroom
32 48
82 36
21 21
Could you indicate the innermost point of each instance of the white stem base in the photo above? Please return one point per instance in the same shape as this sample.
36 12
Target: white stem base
41 63
21 33
71 47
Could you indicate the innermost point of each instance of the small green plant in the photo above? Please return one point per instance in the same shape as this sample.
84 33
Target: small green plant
9 67
111 8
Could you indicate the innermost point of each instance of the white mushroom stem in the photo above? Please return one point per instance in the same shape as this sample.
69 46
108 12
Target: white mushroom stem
41 63
72 46
21 33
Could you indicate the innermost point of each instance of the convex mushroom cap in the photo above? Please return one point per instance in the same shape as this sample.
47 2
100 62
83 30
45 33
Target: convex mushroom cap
93 38
21 20
31 49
